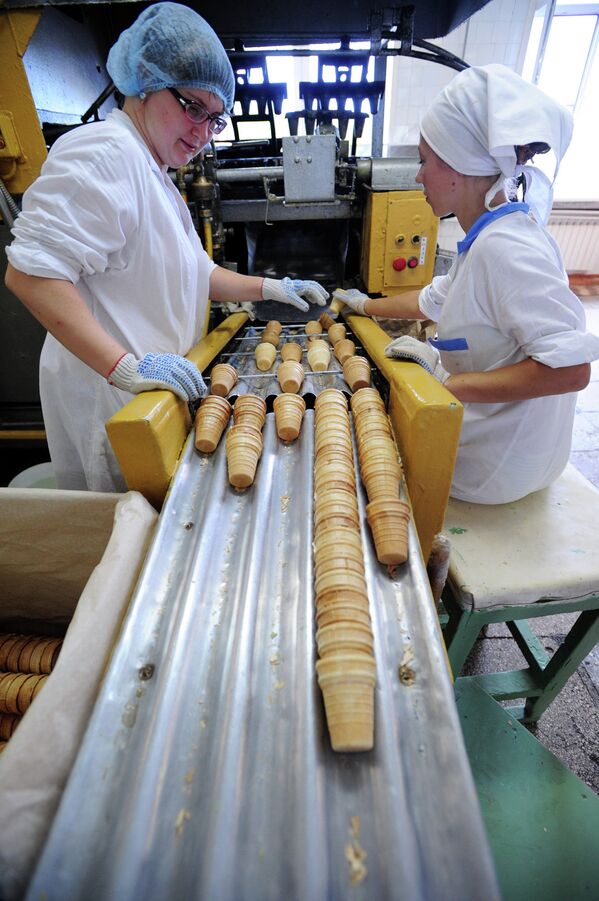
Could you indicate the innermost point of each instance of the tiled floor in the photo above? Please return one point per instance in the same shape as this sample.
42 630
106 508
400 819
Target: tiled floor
570 727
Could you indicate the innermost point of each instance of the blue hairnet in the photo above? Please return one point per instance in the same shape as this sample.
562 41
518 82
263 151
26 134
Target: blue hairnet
170 45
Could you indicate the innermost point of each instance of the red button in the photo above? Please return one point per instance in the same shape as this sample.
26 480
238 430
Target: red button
413 262
399 264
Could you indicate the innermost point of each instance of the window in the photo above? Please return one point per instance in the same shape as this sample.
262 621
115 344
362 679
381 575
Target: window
562 58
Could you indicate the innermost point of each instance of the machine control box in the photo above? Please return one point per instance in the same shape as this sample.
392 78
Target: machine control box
399 241
309 168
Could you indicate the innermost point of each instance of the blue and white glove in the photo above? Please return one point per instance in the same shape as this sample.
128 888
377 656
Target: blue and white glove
352 298
168 371
291 291
408 348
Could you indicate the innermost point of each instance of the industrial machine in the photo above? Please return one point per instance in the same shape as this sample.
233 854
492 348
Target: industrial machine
205 770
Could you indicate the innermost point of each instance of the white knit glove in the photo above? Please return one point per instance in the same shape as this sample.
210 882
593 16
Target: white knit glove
352 298
288 290
409 348
168 371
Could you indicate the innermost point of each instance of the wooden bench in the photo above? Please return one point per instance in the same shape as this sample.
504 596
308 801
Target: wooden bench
535 557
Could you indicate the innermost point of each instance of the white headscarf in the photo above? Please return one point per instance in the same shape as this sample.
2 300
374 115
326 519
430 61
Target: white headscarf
476 122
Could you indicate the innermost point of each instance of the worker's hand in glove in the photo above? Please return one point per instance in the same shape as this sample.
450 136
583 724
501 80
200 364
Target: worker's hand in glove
353 298
408 348
292 290
168 371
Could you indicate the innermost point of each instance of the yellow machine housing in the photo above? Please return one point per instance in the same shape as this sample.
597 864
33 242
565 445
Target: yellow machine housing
399 241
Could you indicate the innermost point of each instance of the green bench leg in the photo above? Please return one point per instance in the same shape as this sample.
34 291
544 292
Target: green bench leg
580 640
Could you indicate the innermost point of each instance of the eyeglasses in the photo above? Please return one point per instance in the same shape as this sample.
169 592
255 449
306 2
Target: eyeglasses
197 112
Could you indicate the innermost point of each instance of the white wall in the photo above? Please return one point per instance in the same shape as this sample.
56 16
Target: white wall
498 33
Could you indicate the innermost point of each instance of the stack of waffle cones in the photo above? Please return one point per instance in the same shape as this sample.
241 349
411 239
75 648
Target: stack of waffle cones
343 349
319 355
211 421
356 372
289 413
244 441
272 333
380 468
337 332
291 376
346 665
223 379
25 663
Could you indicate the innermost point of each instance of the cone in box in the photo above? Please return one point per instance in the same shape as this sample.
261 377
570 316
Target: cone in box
356 372
337 332
347 683
223 379
265 354
290 375
211 419
289 411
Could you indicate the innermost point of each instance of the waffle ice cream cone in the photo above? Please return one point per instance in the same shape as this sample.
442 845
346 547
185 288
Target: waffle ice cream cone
290 375
347 683
313 327
292 351
289 412
343 349
356 372
337 332
211 420
223 379
265 355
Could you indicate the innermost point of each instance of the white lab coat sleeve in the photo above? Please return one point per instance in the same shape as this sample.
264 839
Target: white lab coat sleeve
432 297
527 298
76 216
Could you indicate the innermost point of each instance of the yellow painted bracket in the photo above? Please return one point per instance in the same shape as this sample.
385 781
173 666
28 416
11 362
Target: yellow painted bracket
148 434
22 144
427 420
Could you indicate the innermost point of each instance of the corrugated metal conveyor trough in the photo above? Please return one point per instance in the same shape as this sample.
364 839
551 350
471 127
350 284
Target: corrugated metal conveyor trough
206 771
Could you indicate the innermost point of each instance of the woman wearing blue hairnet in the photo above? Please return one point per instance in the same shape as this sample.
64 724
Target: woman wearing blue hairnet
511 341
105 254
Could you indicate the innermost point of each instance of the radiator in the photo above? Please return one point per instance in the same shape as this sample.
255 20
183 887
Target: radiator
577 233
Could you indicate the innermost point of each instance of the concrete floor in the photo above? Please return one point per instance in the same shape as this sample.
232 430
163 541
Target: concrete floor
570 726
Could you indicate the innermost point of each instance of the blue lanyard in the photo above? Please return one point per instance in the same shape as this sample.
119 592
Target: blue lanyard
487 218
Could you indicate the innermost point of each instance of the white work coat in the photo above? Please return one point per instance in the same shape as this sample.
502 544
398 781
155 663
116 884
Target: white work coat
103 216
506 299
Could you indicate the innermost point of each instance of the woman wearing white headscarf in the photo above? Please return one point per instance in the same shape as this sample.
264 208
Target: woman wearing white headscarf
105 253
511 341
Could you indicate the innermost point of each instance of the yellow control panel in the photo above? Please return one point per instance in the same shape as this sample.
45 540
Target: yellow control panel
399 243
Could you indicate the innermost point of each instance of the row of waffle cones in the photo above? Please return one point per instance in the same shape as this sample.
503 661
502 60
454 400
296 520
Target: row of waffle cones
25 664
346 664
380 469
31 654
356 369
214 413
